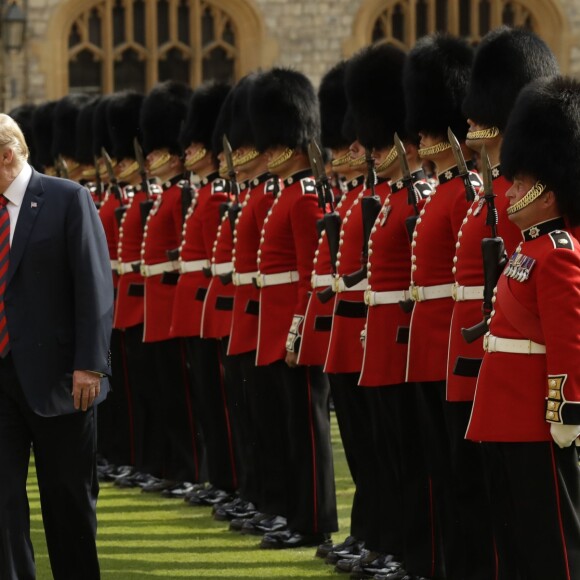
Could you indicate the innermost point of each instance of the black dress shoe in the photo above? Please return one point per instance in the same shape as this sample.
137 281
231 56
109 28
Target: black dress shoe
369 566
195 489
399 575
178 491
346 564
136 480
228 505
287 539
274 524
120 471
250 526
350 552
213 496
243 510
158 486
325 548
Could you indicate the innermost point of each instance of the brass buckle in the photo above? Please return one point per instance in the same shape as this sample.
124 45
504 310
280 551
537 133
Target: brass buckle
486 342
367 297
415 295
143 269
336 285
260 280
454 289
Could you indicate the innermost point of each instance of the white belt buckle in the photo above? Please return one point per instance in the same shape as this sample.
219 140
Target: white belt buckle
368 297
260 280
143 269
455 291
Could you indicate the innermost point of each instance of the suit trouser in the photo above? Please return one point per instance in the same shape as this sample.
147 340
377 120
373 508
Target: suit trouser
535 500
65 457
210 392
116 431
147 421
265 409
173 396
310 490
352 415
405 500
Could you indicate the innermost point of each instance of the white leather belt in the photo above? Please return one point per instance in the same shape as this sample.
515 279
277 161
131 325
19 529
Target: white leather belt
156 269
321 281
243 279
389 297
263 280
193 266
462 293
115 265
493 343
223 268
422 293
126 267
340 287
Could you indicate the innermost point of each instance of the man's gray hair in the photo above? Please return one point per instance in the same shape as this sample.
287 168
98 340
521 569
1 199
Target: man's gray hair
11 136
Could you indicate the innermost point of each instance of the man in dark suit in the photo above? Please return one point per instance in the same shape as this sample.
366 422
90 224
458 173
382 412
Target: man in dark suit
56 304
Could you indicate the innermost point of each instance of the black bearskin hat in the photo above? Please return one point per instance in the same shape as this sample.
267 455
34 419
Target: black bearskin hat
506 60
123 113
241 131
85 132
66 112
222 126
374 90
202 113
162 115
42 133
101 134
348 127
435 80
23 117
284 110
333 106
542 140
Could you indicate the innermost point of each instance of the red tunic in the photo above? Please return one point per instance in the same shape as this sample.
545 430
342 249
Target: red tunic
387 325
249 223
345 353
517 394
318 319
433 250
109 221
198 235
162 232
288 243
468 272
129 306
216 319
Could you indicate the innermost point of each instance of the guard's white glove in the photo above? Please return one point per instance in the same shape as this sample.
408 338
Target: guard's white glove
564 435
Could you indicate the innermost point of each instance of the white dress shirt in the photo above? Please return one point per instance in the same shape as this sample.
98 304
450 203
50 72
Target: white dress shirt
15 194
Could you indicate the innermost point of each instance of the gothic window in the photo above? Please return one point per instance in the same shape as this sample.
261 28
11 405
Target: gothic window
122 44
471 19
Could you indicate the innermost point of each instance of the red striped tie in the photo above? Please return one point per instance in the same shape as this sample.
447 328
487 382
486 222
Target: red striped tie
4 259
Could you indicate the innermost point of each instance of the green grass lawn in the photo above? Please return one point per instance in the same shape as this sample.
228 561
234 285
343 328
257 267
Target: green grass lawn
141 536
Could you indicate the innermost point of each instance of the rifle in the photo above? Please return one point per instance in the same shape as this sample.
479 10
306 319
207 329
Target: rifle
234 209
370 208
494 255
61 167
98 182
113 183
411 221
331 221
140 158
461 165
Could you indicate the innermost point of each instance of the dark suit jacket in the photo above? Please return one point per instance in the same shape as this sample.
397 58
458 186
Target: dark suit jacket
59 293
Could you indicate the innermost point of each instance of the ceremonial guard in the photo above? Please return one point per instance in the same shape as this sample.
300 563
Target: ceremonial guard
374 125
23 116
124 117
90 177
318 317
287 245
436 77
198 234
262 473
162 114
491 94
527 401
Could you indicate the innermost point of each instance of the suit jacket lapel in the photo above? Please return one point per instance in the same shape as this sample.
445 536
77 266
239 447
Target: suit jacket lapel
31 204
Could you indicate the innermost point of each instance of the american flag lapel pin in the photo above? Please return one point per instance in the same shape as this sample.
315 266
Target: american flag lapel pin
33 204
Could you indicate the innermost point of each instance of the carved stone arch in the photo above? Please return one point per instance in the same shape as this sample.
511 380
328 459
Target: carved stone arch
550 20
256 48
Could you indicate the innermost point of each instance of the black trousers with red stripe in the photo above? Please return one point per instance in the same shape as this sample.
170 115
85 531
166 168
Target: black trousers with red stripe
210 394
173 396
310 490
535 497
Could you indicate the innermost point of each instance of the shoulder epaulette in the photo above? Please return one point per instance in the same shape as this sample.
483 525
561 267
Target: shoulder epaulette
308 185
561 239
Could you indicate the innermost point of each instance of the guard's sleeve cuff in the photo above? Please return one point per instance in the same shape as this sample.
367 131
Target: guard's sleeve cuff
558 409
